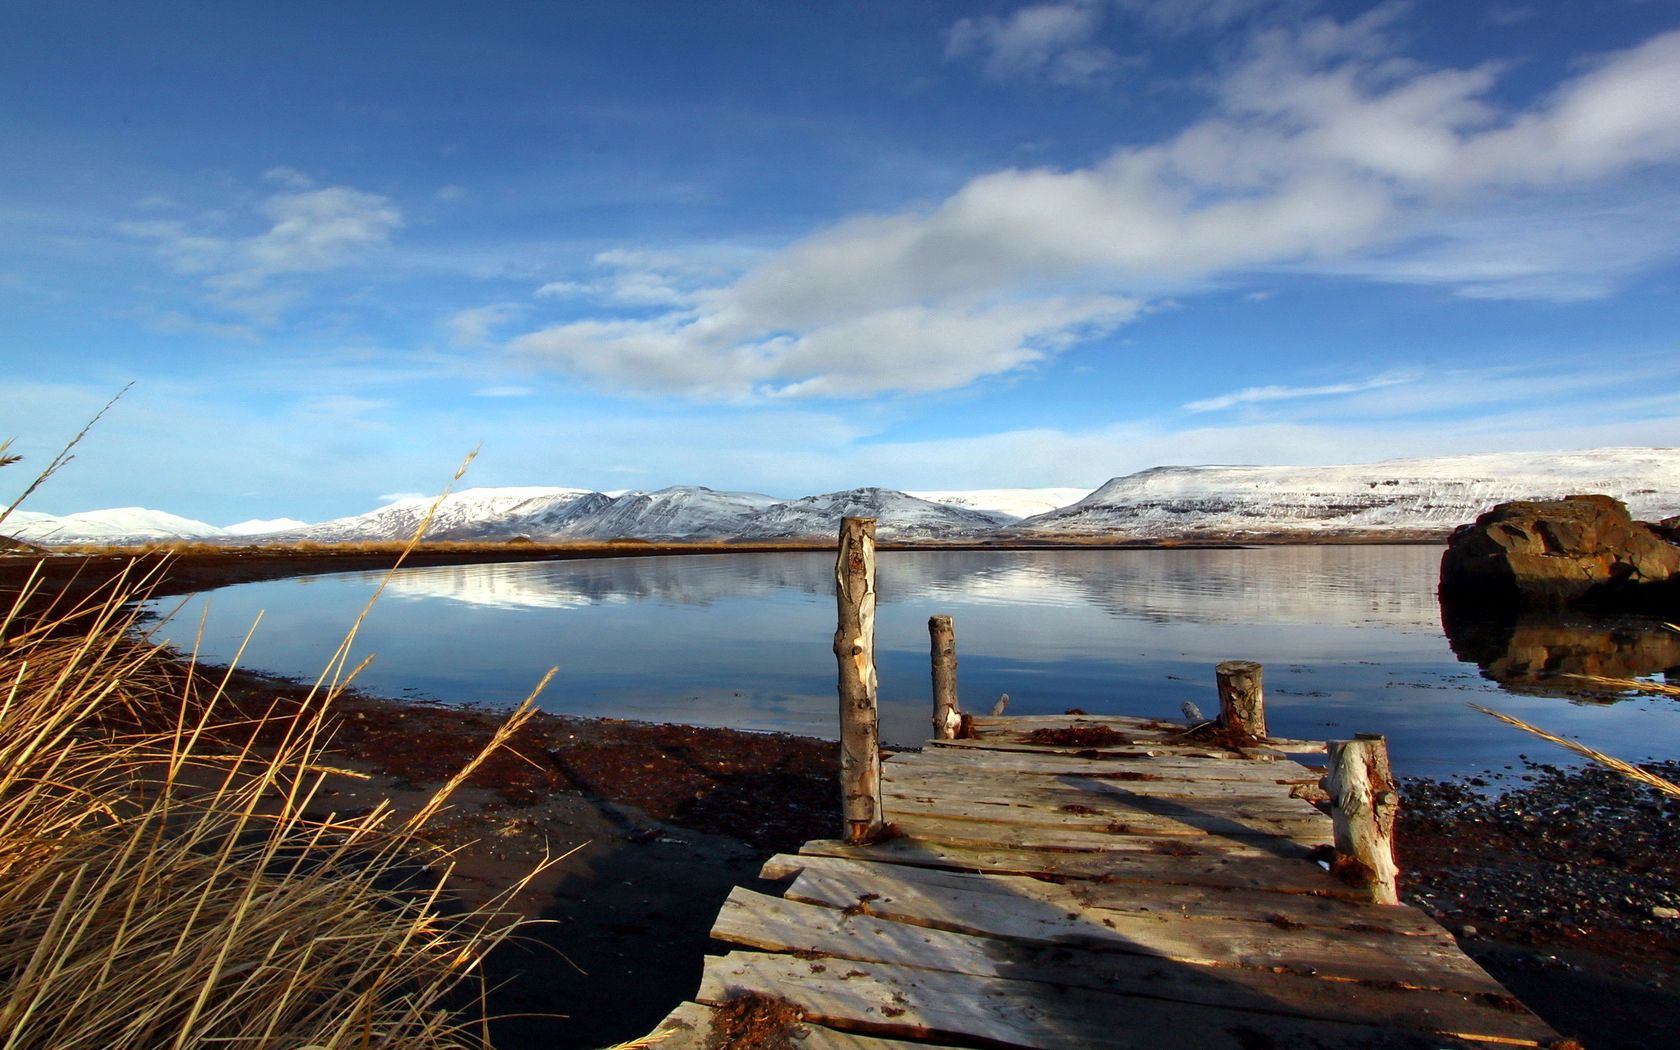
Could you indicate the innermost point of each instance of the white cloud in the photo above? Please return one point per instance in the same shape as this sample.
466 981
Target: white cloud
474 327
306 231
1325 151
1178 17
1253 394
504 391
173 322
317 230
905 348
291 178
1050 40
635 279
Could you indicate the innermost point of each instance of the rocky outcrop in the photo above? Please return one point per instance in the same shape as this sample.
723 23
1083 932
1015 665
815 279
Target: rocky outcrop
1579 550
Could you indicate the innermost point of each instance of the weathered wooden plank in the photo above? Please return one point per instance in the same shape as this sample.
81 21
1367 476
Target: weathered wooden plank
1269 802
1349 952
1121 783
695 1026
998 835
840 882
1074 765
914 1003
1104 801
759 921
1143 748
1104 815
1016 728
1029 723
1288 876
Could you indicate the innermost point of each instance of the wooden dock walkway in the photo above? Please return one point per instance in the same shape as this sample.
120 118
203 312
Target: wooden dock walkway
1146 893
1074 882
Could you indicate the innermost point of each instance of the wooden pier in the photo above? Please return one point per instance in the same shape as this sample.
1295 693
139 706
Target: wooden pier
1075 882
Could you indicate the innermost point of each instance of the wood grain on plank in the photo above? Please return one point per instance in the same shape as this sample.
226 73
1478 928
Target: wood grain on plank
913 1003
839 882
771 924
1289 876
1261 942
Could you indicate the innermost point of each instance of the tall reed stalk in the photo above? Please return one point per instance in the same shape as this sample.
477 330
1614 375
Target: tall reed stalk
163 887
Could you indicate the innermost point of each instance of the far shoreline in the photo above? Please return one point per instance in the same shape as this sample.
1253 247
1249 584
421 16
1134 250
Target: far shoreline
187 567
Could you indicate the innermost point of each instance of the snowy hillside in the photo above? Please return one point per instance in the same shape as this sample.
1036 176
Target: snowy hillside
1016 503
677 513
459 511
1411 496
1398 495
116 525
683 512
262 526
898 516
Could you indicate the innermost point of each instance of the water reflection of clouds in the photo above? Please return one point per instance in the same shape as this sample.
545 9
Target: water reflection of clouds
1349 586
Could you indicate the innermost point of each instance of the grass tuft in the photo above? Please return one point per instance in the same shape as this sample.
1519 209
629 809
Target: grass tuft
170 872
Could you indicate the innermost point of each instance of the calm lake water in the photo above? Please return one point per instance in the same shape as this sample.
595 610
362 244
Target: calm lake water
1350 636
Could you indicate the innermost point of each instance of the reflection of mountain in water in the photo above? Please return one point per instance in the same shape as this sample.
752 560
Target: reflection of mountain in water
1528 653
1390 586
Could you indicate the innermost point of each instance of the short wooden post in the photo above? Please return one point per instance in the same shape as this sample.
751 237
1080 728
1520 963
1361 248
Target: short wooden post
946 715
854 648
1242 699
1364 801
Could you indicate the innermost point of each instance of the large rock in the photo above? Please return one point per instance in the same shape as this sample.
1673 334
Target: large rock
1579 550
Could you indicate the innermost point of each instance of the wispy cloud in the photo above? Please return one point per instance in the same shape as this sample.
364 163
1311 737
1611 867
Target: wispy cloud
1253 394
1050 41
305 230
476 326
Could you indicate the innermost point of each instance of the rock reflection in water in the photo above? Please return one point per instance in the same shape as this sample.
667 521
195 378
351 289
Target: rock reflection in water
1530 653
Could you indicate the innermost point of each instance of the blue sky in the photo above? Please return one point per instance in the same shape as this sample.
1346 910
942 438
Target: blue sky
794 247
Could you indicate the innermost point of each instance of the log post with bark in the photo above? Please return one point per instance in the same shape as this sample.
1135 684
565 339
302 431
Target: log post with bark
854 649
947 715
1242 698
1364 801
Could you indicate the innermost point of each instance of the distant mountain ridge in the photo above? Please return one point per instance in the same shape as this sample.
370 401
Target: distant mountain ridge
1391 498
1396 495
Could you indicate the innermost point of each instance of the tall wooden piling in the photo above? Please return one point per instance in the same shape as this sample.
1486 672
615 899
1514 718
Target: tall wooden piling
1242 698
946 714
854 649
1364 801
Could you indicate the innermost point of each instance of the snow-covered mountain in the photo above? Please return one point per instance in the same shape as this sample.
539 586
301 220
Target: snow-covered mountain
898 516
114 525
1016 503
683 512
1402 495
263 526
459 512
678 513
1408 496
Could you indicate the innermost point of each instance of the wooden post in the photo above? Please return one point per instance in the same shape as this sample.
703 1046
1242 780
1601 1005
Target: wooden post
946 716
854 648
1242 699
1364 801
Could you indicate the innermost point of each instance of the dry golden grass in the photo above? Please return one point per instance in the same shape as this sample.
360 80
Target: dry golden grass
1626 769
157 893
